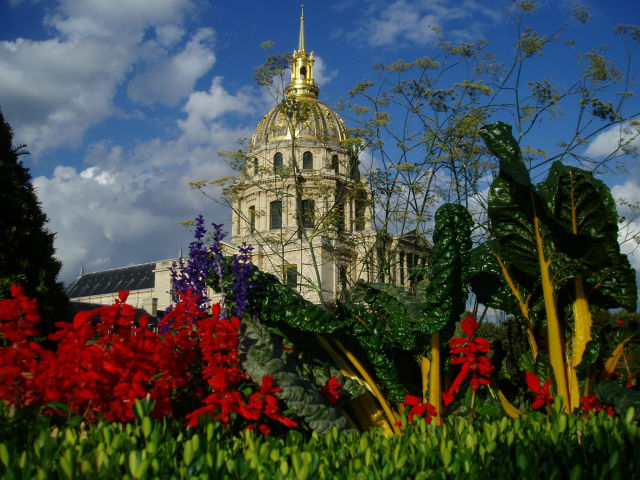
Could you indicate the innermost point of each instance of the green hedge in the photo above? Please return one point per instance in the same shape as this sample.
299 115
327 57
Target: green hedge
532 446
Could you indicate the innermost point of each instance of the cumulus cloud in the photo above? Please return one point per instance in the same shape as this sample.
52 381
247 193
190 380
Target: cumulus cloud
125 206
387 23
320 73
54 90
169 79
616 140
204 108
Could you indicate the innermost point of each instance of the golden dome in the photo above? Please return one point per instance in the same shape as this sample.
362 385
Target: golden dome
306 118
301 113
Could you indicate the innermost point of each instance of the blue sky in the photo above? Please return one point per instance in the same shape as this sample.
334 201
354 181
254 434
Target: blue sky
123 102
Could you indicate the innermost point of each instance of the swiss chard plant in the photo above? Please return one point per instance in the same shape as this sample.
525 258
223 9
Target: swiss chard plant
552 260
379 339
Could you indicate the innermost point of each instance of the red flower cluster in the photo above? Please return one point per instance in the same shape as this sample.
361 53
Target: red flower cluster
472 355
221 369
20 359
543 396
331 391
107 358
419 409
589 403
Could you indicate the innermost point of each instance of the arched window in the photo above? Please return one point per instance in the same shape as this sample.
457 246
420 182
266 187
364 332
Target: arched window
275 211
277 162
303 73
307 161
308 217
255 166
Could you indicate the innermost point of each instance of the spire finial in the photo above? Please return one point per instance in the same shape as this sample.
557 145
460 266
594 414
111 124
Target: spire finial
301 46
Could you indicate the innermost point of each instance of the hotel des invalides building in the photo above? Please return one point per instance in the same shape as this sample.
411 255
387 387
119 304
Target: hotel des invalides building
300 201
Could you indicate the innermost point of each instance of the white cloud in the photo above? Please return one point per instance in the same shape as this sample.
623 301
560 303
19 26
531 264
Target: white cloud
319 71
169 35
204 108
124 207
54 90
168 79
388 23
620 137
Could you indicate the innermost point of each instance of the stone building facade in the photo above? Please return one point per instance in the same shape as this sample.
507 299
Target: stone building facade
300 201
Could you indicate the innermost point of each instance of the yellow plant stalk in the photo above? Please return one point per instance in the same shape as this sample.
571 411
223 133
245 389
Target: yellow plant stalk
365 408
523 304
554 332
612 361
580 306
510 409
581 335
391 416
425 366
435 394
532 343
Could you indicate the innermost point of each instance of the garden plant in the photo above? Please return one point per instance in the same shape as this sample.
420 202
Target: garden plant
265 384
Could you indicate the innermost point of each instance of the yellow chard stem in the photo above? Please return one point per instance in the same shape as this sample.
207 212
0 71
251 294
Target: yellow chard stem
582 318
435 394
425 367
391 417
554 332
365 407
581 315
523 304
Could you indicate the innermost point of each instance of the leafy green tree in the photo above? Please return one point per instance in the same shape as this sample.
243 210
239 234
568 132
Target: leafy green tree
26 246
420 119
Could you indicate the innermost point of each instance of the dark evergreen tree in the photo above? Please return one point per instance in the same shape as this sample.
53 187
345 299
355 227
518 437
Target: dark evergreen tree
26 246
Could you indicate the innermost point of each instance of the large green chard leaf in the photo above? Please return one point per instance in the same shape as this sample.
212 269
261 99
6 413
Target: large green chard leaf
447 290
487 280
559 235
587 209
394 307
260 355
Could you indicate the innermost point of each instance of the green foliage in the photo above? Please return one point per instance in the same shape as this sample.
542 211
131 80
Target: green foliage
553 258
26 246
622 399
577 216
533 446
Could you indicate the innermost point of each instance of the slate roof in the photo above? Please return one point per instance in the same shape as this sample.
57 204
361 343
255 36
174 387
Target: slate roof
135 277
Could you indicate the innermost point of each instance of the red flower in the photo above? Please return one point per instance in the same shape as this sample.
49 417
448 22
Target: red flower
543 397
589 403
331 391
471 354
424 410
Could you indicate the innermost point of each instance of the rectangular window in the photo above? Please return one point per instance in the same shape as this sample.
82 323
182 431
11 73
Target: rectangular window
276 215
335 164
308 213
343 277
291 275
252 219
359 221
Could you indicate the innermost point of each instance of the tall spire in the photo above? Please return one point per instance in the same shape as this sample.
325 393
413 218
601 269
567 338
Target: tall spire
302 83
301 46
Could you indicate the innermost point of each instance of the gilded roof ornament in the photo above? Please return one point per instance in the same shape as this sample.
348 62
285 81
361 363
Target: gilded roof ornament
302 82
